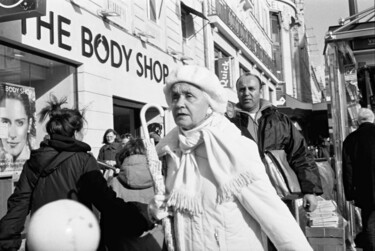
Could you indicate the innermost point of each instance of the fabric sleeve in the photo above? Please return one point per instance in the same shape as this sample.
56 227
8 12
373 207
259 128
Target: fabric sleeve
12 224
101 154
122 218
302 161
262 203
347 173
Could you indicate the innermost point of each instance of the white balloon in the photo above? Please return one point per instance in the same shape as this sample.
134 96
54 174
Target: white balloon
64 225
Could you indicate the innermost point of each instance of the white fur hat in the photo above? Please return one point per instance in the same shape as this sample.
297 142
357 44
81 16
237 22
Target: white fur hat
201 78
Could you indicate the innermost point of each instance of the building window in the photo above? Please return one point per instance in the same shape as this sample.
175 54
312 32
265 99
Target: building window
152 10
270 95
187 24
30 79
243 70
126 116
276 47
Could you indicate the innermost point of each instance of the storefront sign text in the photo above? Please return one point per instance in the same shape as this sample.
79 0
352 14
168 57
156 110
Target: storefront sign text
104 49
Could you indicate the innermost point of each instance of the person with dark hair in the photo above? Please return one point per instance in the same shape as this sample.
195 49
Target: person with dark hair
155 130
134 183
107 153
272 130
358 173
63 168
17 113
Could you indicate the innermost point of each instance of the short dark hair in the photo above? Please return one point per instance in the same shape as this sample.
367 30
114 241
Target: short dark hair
248 74
134 146
155 127
126 136
62 121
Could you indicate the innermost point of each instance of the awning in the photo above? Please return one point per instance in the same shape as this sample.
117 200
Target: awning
190 10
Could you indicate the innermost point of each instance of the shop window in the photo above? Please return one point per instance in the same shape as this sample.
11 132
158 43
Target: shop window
126 116
30 79
243 70
271 95
187 24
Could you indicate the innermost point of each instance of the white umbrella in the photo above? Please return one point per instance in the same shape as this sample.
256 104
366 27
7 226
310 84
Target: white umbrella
155 167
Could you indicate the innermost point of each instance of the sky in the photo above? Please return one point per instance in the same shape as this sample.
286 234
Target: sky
319 15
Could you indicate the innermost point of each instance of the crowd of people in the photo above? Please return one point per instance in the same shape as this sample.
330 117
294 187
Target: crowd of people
218 193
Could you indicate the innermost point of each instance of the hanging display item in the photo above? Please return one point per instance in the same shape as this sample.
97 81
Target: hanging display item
17 126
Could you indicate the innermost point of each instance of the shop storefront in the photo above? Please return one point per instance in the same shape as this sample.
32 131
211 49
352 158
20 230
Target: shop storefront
350 71
98 65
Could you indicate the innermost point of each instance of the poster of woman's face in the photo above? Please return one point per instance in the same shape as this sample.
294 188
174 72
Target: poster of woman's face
17 123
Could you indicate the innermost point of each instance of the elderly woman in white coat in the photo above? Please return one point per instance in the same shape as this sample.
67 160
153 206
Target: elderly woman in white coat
217 186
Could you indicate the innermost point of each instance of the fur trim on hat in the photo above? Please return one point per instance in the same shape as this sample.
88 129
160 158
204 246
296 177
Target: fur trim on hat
201 78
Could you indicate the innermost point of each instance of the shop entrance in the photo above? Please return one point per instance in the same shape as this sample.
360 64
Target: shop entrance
126 116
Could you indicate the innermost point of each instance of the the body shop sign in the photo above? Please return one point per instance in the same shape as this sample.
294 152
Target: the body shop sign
19 9
80 36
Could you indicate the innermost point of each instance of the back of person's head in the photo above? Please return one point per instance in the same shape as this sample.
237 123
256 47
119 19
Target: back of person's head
155 127
62 121
105 141
133 147
365 115
126 136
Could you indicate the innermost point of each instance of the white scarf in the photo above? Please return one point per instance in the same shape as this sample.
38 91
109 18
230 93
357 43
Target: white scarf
228 159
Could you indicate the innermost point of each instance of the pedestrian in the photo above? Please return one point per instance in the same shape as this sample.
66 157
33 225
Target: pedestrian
216 183
63 168
359 174
125 138
155 130
134 183
260 121
107 153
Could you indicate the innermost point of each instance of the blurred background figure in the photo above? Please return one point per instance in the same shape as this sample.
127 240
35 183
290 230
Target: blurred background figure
107 153
17 113
134 183
125 138
155 130
358 169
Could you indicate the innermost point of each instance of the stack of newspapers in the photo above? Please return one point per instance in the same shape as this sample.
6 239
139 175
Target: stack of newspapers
325 215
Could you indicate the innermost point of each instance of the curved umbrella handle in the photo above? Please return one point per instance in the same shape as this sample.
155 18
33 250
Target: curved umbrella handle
143 117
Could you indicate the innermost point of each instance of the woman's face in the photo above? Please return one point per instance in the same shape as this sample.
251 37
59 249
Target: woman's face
110 137
14 115
189 105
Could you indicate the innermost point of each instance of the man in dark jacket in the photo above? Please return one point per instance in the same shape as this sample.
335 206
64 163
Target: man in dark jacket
359 173
272 130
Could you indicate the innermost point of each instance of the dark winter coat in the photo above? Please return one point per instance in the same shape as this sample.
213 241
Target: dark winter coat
276 132
74 175
134 183
109 151
359 166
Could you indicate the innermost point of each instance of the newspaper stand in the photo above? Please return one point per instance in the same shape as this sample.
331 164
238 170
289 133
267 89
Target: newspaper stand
350 77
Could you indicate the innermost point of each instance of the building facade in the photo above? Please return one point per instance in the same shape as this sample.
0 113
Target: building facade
111 57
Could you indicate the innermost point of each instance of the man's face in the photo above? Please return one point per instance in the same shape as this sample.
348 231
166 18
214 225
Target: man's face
189 105
248 93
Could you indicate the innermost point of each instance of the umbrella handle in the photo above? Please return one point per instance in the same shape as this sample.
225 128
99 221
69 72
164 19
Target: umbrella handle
143 117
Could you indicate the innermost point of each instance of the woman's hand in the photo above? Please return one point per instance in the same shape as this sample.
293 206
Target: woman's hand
158 208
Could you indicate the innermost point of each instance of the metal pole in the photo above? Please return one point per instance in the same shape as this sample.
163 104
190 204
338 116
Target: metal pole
353 7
